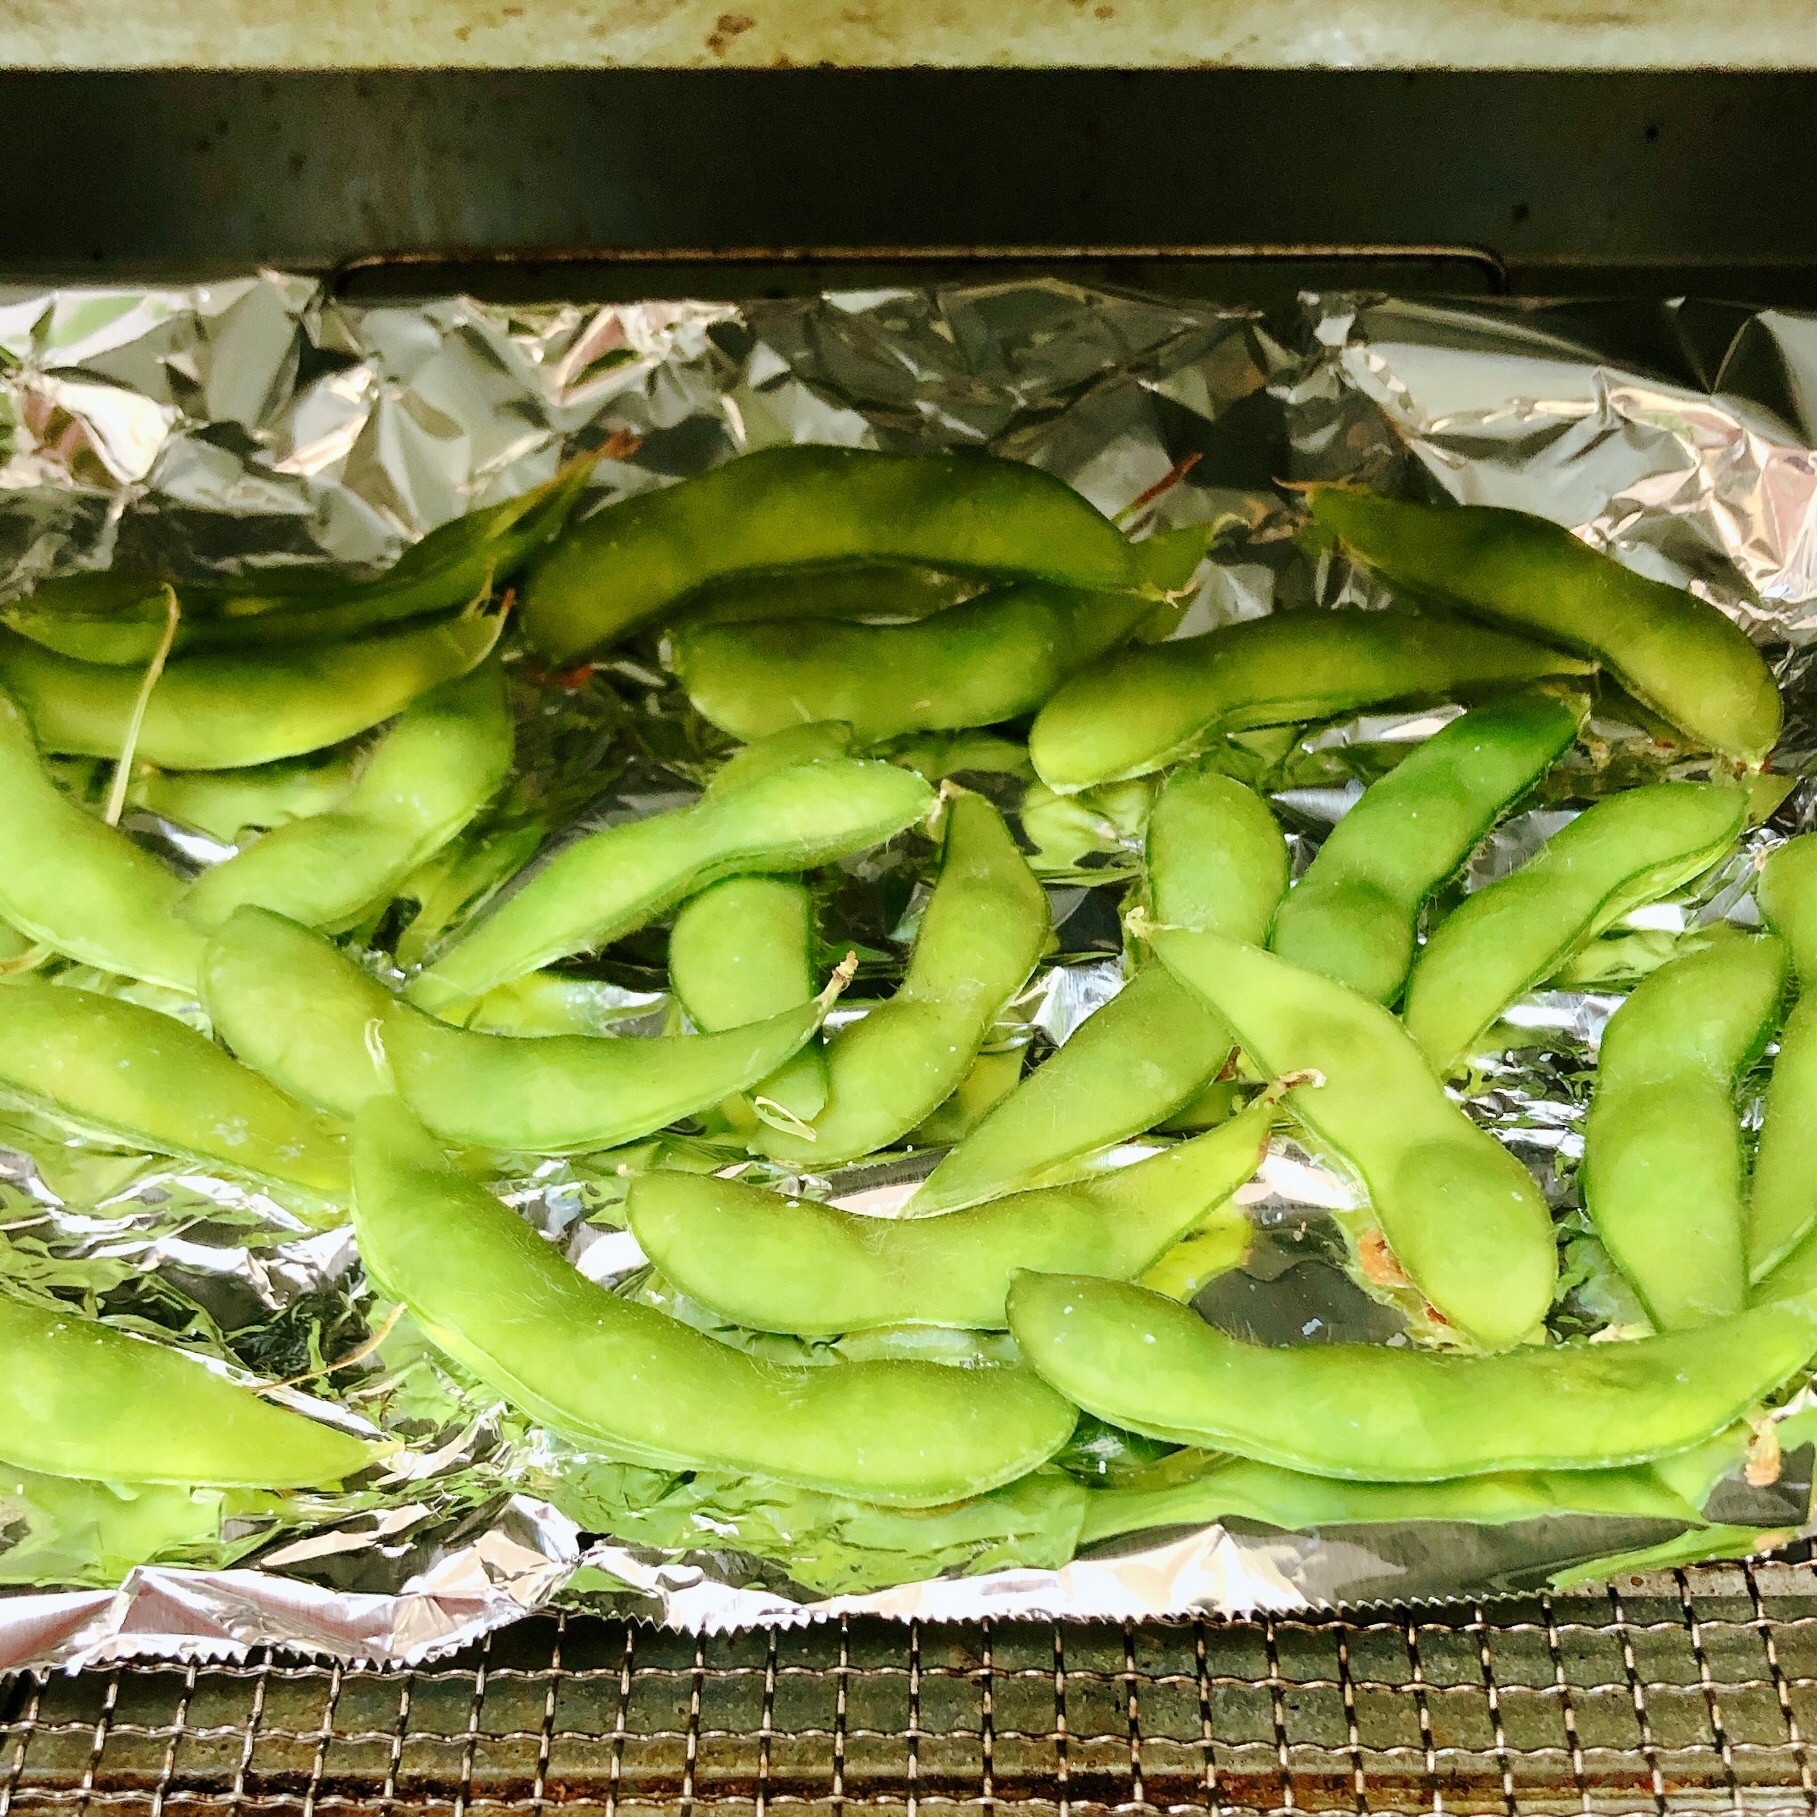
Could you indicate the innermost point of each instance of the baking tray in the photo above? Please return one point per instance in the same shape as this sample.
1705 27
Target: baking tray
1678 1691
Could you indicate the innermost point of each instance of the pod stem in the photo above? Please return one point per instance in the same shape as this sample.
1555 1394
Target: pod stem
116 794
1174 475
843 973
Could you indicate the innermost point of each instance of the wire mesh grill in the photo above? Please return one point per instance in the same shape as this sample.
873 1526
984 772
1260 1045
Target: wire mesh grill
1684 1691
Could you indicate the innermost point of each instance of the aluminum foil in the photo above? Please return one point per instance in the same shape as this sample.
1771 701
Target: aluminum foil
259 423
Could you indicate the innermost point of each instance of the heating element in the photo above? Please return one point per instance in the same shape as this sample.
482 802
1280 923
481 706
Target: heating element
1678 1691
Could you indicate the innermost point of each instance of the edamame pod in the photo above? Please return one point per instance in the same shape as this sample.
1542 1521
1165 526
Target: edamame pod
743 951
1355 913
119 618
79 886
300 1012
778 1264
1125 1068
1297 1502
1782 1198
981 933
972 665
113 1068
803 506
1787 894
224 804
1663 1168
1503 940
1463 1217
223 712
1674 652
619 1376
623 877
1215 858
1150 706
432 772
1783 1193
1383 1414
860 593
79 1398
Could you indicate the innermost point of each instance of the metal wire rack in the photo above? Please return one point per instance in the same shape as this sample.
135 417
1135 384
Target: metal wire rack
1682 1691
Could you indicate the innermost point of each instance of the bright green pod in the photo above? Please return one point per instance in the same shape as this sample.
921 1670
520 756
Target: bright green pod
1150 706
983 929
1127 1067
1664 1170
973 665
1354 915
223 712
1297 1502
1385 1414
1672 651
1506 939
741 952
860 593
779 1264
622 878
624 1378
1463 1216
225 804
1787 894
1782 1196
437 766
304 1015
1215 858
119 617
112 1068
71 1532
79 886
804 506
79 1398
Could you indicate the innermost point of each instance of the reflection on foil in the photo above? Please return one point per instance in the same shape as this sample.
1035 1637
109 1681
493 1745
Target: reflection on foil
255 423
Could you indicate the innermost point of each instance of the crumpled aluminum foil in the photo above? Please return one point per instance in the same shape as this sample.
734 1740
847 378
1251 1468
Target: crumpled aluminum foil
256 423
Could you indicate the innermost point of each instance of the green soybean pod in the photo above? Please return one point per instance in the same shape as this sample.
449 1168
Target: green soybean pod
624 1378
1502 941
779 1264
1382 1414
1787 894
972 665
437 766
1354 915
858 593
225 804
225 711
1674 652
118 617
1783 1193
1462 1215
982 931
743 951
789 818
1215 858
78 886
112 1068
1148 707
1297 1502
1782 1197
806 506
79 1398
1664 1172
301 1013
